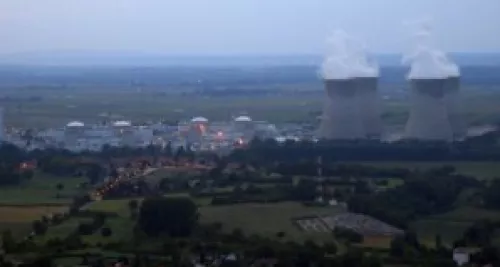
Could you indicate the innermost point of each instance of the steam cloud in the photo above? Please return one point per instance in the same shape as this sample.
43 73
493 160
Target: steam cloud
425 60
346 58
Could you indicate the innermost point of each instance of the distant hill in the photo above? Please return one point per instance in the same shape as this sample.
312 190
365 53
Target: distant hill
92 58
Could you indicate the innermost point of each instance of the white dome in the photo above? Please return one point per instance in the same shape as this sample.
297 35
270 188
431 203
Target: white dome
243 119
122 123
75 124
199 119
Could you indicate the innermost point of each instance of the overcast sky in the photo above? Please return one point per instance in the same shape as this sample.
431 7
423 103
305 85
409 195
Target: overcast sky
211 27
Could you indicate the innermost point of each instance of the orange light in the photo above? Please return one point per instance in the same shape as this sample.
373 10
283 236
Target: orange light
240 141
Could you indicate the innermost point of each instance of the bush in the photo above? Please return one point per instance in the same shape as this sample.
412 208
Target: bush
85 229
39 227
106 231
57 219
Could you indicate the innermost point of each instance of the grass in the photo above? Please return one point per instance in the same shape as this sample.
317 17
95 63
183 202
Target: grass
20 205
26 214
118 206
449 231
261 219
266 219
18 229
62 230
451 225
57 109
57 106
41 189
122 231
468 214
481 170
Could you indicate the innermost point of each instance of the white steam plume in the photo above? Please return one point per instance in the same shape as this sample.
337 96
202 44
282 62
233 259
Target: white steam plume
346 58
425 60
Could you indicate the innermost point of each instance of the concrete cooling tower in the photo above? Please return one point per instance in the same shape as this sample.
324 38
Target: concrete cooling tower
341 117
452 98
369 106
429 118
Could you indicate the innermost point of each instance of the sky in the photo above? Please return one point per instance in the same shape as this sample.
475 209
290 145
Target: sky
227 27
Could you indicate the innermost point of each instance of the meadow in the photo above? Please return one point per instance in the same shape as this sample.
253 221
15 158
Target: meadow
259 219
42 189
298 103
451 225
480 170
22 204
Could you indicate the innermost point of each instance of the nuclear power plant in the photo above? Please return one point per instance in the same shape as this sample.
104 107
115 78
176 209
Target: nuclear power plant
452 99
435 84
429 116
369 105
352 111
341 118
351 108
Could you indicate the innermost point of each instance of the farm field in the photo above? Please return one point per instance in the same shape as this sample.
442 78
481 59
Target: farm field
261 219
22 204
41 189
266 219
297 103
19 220
481 170
451 225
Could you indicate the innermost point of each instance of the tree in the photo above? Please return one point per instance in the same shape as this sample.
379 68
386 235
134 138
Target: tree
39 227
490 195
330 248
8 243
132 206
59 188
106 232
94 173
397 246
238 235
280 235
438 241
113 173
176 217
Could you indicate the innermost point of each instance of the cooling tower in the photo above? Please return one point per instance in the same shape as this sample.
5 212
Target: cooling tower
341 118
452 98
368 103
428 113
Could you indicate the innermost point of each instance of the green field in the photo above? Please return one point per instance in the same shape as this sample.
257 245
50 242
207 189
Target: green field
22 204
300 103
261 219
481 170
41 189
266 219
451 225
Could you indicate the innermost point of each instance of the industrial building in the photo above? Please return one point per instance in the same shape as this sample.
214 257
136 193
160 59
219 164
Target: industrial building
453 103
342 118
429 118
369 105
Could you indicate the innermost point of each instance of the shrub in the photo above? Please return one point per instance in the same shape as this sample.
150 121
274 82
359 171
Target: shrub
106 231
39 227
